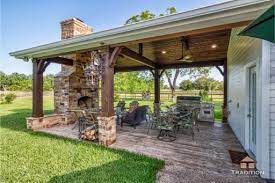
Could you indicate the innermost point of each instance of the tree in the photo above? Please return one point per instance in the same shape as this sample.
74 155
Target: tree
173 74
22 82
48 82
205 83
187 85
134 81
144 15
147 15
3 81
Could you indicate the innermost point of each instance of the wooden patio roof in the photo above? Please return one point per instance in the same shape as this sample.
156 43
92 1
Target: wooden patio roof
205 49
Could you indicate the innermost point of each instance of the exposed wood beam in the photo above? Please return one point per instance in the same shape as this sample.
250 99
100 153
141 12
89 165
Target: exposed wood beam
222 73
163 70
152 72
44 63
138 58
193 64
114 56
43 67
173 66
130 69
60 60
40 65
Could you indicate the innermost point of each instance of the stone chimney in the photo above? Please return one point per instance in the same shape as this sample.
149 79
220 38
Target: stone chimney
74 27
71 83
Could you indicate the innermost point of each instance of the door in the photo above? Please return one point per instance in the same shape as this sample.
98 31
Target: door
252 109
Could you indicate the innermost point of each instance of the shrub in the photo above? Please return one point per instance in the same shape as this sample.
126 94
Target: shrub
9 98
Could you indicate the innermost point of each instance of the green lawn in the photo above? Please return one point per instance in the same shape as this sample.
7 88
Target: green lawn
27 156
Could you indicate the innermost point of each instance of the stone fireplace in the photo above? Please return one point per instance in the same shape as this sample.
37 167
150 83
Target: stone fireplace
71 83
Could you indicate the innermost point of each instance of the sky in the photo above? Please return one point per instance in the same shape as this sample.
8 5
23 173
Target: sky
28 23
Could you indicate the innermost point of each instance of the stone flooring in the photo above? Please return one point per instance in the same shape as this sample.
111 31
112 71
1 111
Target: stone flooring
204 159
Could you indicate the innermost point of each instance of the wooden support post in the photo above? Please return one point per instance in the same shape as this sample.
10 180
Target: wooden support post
107 88
107 119
225 109
37 84
157 91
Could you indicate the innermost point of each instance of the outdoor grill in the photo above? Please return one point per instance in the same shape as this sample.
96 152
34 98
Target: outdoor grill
187 103
207 112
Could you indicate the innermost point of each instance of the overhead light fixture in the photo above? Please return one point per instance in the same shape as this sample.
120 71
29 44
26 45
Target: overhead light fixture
163 52
214 46
186 55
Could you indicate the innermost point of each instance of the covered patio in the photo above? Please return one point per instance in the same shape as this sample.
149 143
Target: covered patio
197 38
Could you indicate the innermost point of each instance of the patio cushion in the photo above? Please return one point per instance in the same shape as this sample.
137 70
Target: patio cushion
140 114
130 117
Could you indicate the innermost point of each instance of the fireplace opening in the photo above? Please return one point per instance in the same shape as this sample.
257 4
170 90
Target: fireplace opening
84 102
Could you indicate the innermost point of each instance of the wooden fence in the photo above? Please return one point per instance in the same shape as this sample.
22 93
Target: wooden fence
167 95
164 94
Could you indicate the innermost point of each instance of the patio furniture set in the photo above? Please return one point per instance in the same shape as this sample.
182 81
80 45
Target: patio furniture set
168 122
180 117
171 121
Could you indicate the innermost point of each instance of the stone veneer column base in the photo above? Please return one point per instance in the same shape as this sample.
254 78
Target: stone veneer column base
107 130
46 121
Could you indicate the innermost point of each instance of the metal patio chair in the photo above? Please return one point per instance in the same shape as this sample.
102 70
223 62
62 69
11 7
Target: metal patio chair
189 120
167 127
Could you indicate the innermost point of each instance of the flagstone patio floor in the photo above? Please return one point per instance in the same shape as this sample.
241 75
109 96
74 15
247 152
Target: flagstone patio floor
202 159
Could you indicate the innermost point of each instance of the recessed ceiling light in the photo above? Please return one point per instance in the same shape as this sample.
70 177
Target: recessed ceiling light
163 52
187 57
214 46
